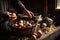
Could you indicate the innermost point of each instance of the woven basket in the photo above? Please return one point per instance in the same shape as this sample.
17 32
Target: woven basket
23 31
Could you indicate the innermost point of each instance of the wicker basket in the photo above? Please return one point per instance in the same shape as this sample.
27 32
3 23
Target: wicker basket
23 31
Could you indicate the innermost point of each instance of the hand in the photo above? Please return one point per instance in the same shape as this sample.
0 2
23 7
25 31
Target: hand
28 13
13 16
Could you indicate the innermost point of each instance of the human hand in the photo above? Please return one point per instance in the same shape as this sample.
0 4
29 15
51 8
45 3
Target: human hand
28 13
13 16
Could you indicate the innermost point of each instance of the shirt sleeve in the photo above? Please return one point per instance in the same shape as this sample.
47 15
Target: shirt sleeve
18 5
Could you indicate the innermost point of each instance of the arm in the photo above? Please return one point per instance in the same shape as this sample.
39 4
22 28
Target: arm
18 5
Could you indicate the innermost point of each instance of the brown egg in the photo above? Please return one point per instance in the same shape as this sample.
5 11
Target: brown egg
21 24
39 33
36 35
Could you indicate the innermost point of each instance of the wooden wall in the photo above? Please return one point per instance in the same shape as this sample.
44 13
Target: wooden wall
38 6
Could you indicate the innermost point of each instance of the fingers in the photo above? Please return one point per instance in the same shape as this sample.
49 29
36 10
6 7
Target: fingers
32 14
13 16
9 14
28 13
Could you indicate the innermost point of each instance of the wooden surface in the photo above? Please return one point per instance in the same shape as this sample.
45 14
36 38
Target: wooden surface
50 35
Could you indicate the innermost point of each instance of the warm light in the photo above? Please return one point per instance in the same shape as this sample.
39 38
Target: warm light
58 7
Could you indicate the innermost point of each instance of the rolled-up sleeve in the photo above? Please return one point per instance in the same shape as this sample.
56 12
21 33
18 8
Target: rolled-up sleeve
18 5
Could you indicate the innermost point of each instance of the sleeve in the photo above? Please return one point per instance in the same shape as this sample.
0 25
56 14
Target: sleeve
18 5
